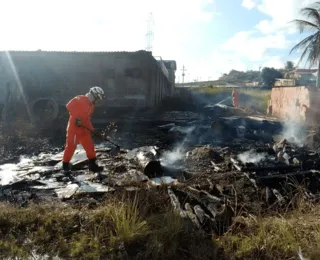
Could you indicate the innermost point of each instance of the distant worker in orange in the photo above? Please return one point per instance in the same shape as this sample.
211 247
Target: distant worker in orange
80 110
235 98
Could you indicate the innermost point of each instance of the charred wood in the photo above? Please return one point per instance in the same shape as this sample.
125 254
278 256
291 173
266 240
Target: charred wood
200 214
208 224
215 166
176 204
212 206
213 209
236 164
281 177
147 159
223 219
204 195
279 197
289 182
251 180
271 168
150 166
192 216
270 198
211 186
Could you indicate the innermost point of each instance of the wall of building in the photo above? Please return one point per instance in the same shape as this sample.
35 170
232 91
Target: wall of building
252 84
285 83
301 104
129 79
171 67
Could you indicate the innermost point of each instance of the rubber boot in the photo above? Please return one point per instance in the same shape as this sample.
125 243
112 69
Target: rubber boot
67 172
66 168
93 167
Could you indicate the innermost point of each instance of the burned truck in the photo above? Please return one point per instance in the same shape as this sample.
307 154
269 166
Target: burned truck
40 83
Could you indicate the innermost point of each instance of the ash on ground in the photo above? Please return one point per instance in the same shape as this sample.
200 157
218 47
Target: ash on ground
213 164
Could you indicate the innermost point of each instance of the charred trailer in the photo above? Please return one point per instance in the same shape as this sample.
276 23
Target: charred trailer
40 83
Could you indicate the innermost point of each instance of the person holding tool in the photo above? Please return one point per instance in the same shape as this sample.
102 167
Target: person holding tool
235 98
79 128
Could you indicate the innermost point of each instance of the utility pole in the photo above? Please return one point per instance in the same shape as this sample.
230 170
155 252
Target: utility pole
183 74
149 34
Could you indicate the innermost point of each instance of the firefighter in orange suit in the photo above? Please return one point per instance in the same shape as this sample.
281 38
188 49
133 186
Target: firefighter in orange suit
235 98
80 110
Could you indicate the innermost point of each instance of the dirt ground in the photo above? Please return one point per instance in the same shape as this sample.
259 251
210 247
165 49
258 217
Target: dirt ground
212 170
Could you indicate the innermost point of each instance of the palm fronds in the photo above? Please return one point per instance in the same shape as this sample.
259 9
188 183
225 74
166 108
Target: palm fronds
310 46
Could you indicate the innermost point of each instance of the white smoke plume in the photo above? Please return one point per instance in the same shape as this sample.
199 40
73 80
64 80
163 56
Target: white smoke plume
252 157
294 132
170 158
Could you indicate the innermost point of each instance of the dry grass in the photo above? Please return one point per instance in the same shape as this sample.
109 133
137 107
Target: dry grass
275 237
248 96
121 228
145 227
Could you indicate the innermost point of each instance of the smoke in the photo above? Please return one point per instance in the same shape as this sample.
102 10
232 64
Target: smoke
294 132
213 105
183 130
209 100
252 157
171 158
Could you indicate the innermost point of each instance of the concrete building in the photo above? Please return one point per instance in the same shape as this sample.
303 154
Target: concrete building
252 84
130 79
300 104
298 77
296 97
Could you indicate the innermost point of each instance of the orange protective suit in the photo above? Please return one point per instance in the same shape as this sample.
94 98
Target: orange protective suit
235 98
79 107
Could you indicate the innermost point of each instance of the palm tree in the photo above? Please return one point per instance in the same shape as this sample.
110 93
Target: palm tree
310 46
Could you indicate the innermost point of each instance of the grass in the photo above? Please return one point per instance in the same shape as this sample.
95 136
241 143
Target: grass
275 237
145 227
248 96
120 228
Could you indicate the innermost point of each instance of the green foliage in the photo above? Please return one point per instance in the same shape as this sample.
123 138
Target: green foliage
120 228
128 224
274 237
124 228
289 65
255 97
309 47
269 75
235 76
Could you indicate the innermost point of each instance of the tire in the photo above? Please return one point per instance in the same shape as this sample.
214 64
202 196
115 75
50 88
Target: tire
43 112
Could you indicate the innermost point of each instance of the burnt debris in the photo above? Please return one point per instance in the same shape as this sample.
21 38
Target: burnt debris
214 168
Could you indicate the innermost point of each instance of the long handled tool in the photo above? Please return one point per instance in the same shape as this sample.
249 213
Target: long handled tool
114 151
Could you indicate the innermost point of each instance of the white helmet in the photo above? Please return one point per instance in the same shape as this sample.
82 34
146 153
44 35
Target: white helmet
97 92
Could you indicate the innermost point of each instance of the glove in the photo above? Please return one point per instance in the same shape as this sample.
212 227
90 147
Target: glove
78 121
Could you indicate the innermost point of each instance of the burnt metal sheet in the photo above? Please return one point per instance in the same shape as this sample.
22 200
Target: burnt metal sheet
83 187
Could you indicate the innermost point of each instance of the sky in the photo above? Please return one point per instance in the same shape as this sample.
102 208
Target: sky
208 37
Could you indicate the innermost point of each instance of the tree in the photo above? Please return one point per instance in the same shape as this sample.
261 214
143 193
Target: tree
269 75
289 65
310 46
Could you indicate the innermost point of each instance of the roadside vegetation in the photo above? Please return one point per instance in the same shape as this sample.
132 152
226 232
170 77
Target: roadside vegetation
144 226
249 97
309 47
123 227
